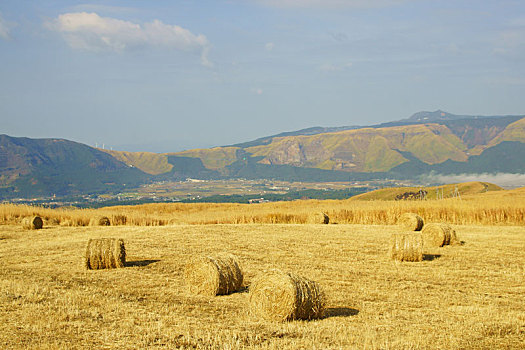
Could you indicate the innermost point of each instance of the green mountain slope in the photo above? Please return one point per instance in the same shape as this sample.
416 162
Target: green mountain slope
448 142
35 167
447 191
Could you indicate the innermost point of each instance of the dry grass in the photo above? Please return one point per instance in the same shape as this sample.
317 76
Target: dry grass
491 208
458 297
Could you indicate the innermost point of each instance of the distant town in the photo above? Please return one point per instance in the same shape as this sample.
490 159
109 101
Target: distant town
234 190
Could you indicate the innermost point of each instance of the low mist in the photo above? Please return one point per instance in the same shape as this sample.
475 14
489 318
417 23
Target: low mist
505 180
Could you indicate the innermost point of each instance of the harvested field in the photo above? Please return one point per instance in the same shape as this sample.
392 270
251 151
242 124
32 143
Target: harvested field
468 296
502 208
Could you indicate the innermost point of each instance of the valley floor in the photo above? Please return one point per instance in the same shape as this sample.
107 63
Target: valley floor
468 296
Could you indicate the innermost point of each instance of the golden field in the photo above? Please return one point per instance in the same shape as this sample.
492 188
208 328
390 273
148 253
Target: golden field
459 297
468 296
500 207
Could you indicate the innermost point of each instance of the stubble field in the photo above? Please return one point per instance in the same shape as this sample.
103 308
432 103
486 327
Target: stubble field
469 296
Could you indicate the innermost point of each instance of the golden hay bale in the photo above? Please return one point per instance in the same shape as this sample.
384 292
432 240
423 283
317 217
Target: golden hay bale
411 221
280 296
33 223
318 218
100 221
438 235
105 253
212 276
407 247
454 240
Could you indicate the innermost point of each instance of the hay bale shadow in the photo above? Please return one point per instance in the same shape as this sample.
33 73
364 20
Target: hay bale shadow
245 289
140 263
340 312
430 257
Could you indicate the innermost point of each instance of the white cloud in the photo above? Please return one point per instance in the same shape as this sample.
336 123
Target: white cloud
330 3
329 67
89 31
4 28
257 91
269 46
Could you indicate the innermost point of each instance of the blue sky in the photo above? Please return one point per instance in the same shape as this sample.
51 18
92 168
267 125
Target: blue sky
165 76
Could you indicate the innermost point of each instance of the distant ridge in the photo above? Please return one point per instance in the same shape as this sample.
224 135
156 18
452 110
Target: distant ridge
443 142
438 116
434 192
427 142
308 131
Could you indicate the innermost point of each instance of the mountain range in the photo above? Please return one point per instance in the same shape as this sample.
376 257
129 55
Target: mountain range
426 142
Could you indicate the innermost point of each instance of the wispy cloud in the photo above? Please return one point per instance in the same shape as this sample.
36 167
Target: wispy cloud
331 3
501 179
511 40
339 36
89 31
330 67
257 91
4 28
106 9
269 46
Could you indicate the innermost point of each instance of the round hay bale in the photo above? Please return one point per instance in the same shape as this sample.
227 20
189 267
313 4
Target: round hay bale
100 221
318 218
218 275
105 253
33 223
407 247
280 296
438 235
411 222
454 240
